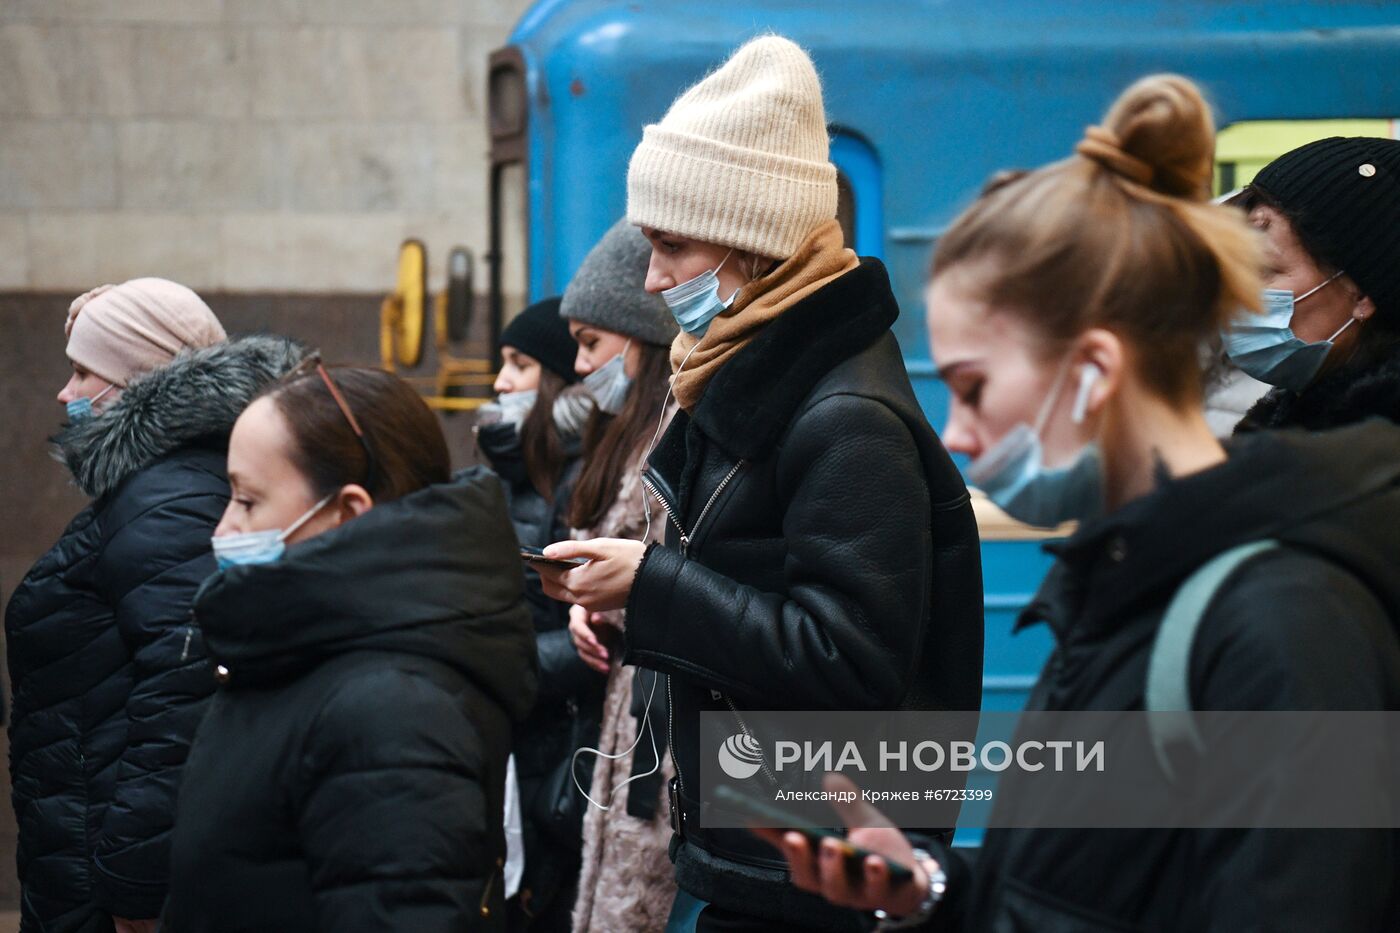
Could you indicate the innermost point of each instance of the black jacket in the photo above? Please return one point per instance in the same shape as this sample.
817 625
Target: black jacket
829 558
109 678
350 772
1359 390
569 706
1307 627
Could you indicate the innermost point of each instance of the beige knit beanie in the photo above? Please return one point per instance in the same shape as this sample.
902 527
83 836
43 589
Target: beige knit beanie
742 158
120 331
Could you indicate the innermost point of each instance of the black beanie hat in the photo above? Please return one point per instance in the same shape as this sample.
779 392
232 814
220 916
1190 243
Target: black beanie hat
540 332
1342 196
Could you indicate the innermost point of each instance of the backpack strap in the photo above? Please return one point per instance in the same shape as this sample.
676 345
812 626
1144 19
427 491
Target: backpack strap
1169 664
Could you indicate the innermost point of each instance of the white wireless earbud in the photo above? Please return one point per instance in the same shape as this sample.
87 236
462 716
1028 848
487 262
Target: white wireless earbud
1089 376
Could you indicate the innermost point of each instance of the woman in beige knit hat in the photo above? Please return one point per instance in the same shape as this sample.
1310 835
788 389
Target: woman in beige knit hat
109 673
820 548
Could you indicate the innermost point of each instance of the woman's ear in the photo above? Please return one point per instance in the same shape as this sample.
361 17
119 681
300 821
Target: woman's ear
354 500
1362 307
1101 360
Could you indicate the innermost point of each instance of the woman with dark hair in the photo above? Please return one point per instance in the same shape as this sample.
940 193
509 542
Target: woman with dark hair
109 679
372 650
1329 341
622 334
531 435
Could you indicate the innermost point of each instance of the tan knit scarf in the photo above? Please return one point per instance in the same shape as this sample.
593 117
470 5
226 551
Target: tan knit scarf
820 260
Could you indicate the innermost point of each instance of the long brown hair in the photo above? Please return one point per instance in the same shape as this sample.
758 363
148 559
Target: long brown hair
611 444
1119 236
403 449
540 446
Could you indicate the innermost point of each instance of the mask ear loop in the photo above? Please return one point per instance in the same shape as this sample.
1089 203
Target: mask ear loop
306 517
1350 321
110 387
1320 286
1048 405
655 754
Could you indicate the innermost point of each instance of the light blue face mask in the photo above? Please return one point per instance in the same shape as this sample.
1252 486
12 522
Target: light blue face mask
260 547
1265 347
608 384
1014 476
80 409
509 407
694 304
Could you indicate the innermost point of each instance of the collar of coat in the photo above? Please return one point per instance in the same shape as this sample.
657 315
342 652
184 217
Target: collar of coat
1345 396
195 398
749 403
1334 494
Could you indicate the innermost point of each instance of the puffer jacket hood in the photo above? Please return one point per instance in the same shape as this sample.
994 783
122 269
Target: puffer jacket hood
197 397
1335 494
422 575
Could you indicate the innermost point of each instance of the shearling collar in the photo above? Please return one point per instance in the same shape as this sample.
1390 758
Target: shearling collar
196 397
1350 394
749 403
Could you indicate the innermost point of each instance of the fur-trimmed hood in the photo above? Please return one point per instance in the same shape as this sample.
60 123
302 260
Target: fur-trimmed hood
196 398
1345 396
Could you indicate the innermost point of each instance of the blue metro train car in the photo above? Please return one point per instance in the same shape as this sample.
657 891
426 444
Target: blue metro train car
926 98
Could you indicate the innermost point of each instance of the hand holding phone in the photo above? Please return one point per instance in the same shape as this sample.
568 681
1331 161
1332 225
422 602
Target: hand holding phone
853 856
534 555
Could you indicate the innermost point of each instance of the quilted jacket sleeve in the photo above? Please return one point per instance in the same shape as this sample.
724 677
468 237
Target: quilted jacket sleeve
149 570
845 633
395 818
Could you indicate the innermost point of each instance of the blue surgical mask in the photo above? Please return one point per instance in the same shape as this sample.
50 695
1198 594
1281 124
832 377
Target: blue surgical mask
260 547
609 383
1265 347
694 304
80 409
1013 473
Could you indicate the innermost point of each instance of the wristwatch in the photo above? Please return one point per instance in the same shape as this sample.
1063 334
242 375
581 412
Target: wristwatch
937 886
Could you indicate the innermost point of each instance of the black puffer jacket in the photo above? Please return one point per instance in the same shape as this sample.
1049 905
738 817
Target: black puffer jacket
351 769
567 711
829 559
1306 627
109 678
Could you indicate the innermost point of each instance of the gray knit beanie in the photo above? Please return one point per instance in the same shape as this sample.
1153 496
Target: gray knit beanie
608 289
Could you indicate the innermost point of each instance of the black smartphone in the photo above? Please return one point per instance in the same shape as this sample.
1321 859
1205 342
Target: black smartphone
534 555
854 855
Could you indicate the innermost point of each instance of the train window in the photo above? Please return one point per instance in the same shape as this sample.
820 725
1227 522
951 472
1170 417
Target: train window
846 208
1242 149
513 246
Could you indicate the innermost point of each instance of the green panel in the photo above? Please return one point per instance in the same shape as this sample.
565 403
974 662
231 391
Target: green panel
1251 145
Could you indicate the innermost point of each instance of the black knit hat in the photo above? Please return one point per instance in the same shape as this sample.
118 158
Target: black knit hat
1342 196
540 332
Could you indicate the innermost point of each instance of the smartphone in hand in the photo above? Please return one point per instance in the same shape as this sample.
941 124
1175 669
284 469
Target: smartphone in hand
853 856
534 555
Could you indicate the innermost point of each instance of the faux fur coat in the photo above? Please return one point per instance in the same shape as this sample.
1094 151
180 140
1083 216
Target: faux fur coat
109 675
627 882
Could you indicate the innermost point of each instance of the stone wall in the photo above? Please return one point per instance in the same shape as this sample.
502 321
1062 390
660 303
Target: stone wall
272 154
240 145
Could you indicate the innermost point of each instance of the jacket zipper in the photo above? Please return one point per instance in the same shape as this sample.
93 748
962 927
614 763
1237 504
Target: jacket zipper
714 496
744 727
685 547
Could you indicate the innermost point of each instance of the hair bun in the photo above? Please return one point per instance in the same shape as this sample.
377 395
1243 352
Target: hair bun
1162 128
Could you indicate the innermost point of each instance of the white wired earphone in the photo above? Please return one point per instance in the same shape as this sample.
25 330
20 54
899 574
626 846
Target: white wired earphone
655 677
645 725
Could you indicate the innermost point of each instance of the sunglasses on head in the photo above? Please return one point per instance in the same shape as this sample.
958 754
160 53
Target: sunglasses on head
314 364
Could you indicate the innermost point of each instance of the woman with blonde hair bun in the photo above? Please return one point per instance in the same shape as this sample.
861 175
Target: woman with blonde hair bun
1067 310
